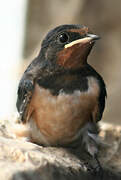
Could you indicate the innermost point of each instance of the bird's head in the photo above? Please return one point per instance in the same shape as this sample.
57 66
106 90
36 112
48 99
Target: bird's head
67 46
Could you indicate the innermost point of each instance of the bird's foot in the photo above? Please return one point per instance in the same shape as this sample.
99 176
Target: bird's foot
96 169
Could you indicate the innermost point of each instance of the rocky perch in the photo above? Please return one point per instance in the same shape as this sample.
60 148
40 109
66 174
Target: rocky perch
21 160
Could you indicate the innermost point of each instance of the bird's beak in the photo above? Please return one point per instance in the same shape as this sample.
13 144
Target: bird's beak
93 36
90 38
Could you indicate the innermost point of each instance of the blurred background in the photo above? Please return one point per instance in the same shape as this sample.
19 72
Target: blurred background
25 23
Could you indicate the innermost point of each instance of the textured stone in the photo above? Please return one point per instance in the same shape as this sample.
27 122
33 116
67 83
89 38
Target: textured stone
21 160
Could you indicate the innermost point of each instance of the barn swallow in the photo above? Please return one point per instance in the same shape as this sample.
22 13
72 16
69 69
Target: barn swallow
60 96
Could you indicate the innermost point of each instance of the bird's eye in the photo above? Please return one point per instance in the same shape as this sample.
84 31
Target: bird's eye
63 38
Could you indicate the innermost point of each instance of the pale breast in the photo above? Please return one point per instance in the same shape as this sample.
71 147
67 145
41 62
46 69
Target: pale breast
59 118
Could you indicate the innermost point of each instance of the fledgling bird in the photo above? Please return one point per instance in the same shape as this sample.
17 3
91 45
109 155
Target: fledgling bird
61 97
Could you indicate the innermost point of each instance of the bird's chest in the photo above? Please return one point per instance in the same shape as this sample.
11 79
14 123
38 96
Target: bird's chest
60 117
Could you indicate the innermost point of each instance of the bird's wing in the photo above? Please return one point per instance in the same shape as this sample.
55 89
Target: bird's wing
102 99
98 112
23 100
99 108
26 88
